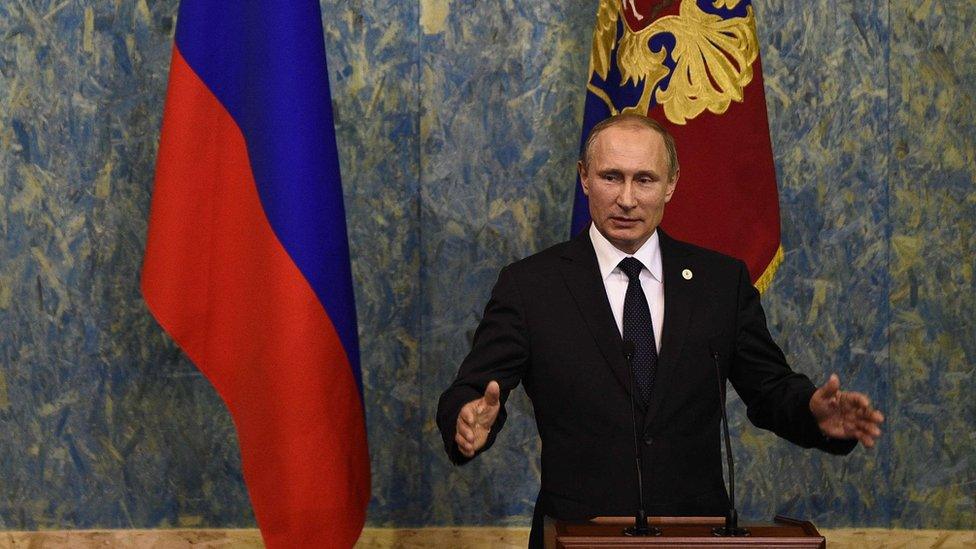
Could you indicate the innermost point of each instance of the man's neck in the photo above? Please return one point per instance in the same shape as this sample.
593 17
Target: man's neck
608 255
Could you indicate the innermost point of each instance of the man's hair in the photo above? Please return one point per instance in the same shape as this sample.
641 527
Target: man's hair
639 121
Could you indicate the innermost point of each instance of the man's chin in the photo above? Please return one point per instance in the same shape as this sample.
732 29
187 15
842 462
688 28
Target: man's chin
627 241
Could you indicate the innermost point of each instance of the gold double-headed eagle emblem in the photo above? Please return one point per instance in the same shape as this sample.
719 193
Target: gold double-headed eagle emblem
713 58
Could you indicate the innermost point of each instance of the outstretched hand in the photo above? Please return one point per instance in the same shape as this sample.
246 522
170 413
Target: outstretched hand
475 420
845 414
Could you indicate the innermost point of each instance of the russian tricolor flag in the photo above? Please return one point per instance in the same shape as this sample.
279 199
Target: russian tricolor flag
247 261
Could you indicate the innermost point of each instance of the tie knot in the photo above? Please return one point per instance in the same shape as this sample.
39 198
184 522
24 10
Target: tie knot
631 266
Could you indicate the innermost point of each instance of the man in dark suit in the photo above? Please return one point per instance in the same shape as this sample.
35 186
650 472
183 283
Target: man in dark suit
556 321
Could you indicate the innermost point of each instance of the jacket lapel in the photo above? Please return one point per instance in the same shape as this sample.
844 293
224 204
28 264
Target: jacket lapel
582 276
680 297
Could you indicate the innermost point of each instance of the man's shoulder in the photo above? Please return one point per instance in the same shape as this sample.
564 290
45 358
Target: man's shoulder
532 274
546 259
673 245
721 269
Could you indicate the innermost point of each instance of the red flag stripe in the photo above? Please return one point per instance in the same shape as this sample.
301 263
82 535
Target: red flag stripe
218 280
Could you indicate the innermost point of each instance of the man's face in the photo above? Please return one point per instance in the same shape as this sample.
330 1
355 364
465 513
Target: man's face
626 181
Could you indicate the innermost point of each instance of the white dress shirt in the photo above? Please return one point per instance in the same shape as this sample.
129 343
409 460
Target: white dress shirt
615 281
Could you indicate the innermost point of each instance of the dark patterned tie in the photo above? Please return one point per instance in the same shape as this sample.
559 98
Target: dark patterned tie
639 329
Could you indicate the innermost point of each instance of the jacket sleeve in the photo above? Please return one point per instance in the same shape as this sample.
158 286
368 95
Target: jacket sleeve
499 352
776 398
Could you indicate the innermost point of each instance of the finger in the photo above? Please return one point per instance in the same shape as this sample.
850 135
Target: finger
860 433
869 416
857 426
466 432
829 390
856 400
492 393
468 415
866 416
867 440
869 428
464 447
833 384
867 433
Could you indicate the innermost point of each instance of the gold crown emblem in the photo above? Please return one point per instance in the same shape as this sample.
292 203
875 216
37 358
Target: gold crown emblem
713 58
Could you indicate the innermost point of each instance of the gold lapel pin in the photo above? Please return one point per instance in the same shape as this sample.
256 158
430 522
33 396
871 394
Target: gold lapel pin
686 274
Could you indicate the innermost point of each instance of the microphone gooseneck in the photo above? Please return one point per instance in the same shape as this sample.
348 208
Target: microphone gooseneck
731 527
640 527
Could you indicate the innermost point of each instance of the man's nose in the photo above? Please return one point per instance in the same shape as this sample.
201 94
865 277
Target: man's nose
626 198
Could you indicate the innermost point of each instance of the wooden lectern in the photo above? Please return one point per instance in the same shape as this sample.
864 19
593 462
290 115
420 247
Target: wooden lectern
607 532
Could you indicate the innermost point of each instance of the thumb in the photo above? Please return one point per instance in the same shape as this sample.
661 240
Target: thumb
829 389
492 393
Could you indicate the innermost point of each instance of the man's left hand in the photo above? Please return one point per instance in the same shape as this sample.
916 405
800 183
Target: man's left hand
845 414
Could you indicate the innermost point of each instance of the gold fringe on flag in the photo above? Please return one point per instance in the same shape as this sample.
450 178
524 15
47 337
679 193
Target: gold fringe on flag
763 282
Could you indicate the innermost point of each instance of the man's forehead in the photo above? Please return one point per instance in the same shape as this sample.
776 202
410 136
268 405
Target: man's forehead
629 135
629 143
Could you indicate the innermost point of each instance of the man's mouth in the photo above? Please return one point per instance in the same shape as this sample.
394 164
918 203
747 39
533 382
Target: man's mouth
624 220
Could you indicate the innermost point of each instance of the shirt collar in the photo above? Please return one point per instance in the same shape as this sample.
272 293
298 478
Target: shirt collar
608 256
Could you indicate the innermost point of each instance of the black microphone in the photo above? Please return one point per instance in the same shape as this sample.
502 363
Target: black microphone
640 527
731 527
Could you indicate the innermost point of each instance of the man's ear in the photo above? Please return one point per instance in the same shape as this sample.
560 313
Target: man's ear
583 177
671 186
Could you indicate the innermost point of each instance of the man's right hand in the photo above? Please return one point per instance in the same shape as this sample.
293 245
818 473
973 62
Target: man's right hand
475 421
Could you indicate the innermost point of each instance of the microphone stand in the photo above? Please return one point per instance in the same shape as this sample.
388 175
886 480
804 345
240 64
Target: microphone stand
731 528
640 527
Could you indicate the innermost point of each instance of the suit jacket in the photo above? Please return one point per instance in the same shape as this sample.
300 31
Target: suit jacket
549 325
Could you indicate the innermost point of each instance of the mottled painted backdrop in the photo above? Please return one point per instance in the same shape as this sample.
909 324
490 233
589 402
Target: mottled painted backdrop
457 126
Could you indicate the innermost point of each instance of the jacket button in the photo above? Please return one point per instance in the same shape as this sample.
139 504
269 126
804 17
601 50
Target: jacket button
649 440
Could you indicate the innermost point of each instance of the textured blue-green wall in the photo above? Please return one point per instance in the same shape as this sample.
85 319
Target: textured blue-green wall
457 126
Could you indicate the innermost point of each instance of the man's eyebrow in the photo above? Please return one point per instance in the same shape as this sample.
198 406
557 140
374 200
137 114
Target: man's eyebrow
646 173
617 171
